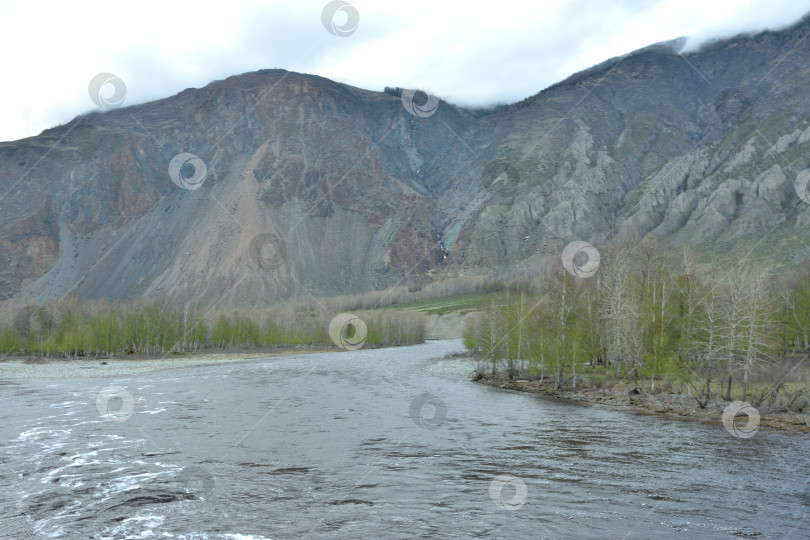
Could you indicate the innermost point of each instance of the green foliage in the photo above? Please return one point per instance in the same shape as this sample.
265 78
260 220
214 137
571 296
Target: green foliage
235 332
393 328
70 328
66 328
794 312
495 286
471 341
9 343
638 316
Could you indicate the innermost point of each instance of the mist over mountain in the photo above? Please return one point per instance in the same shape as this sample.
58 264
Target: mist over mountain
293 186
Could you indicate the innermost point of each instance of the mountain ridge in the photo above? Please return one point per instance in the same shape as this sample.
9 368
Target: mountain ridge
347 191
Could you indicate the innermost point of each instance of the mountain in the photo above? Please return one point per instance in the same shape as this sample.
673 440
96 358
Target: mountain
306 187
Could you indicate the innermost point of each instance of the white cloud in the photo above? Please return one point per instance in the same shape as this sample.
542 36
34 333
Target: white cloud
471 52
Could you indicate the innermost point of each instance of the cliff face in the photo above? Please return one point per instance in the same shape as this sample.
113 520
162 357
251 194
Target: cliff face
317 188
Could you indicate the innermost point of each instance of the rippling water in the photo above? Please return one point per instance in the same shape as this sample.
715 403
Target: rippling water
365 444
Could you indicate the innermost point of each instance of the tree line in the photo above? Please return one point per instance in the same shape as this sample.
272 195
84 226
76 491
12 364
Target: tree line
718 327
70 327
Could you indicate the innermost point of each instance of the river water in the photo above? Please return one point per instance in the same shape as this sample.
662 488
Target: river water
366 444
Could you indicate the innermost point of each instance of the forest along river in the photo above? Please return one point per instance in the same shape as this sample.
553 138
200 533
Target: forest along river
367 444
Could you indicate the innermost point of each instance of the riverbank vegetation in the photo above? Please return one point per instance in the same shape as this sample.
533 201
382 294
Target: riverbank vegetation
710 332
70 328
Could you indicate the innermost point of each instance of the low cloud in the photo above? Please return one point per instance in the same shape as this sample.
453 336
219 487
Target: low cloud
474 53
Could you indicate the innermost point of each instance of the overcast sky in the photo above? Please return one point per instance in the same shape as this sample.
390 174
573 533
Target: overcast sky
470 52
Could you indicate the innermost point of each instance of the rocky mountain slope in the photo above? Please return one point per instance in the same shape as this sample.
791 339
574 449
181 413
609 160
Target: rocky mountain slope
306 187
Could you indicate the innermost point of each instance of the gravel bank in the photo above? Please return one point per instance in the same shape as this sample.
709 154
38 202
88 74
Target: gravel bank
461 367
55 368
70 369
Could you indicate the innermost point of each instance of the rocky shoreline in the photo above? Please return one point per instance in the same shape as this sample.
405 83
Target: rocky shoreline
671 405
621 396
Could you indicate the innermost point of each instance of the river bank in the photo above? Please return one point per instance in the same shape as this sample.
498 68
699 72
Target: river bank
16 367
672 405
42 367
620 395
